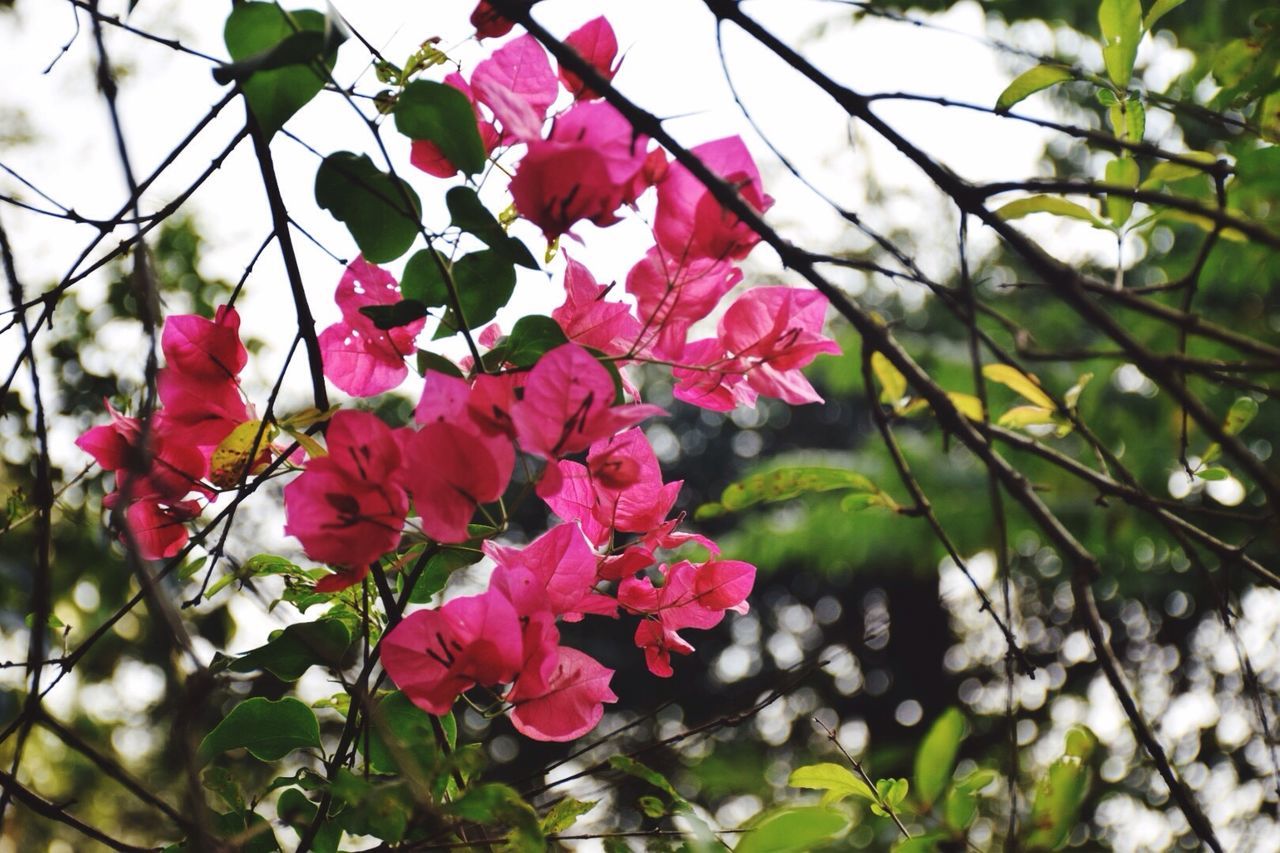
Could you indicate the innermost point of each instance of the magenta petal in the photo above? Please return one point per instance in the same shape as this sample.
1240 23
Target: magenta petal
570 705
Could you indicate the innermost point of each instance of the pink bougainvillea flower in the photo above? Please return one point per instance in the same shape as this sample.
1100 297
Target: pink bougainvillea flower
561 564
590 165
773 332
570 705
172 469
427 156
360 358
205 349
159 529
449 472
460 458
587 318
630 494
568 404
672 294
517 83
196 411
488 23
347 509
435 655
690 597
574 499
690 223
596 43
711 378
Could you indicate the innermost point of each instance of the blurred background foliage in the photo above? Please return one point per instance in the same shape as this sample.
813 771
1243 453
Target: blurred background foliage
861 609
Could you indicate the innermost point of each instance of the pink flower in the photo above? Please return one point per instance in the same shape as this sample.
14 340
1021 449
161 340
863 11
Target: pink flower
674 293
690 223
158 528
570 705
587 318
360 358
595 42
561 565
348 508
630 494
205 349
591 164
459 459
517 83
773 332
711 378
690 597
449 473
197 411
568 404
435 655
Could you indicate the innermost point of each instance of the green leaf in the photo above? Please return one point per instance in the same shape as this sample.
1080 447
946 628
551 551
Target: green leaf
372 806
936 756
565 813
220 781
434 361
1029 82
959 808
474 218
1168 173
1158 10
495 803
1122 171
401 732
1135 115
1106 97
325 642
974 782
652 806
1048 204
297 811
786 483
268 564
1024 384
532 336
424 279
927 843
836 779
273 49
441 114
437 571
1121 24
641 771
485 282
1213 474
1241 414
401 313
382 212
793 830
1061 792
268 730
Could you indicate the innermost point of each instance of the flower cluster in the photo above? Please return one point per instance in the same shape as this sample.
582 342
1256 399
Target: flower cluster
569 412
158 466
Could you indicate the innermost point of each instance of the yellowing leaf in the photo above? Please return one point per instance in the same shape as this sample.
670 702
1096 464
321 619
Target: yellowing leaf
1026 385
1072 397
313 448
230 460
1021 416
786 483
968 405
893 385
1167 173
